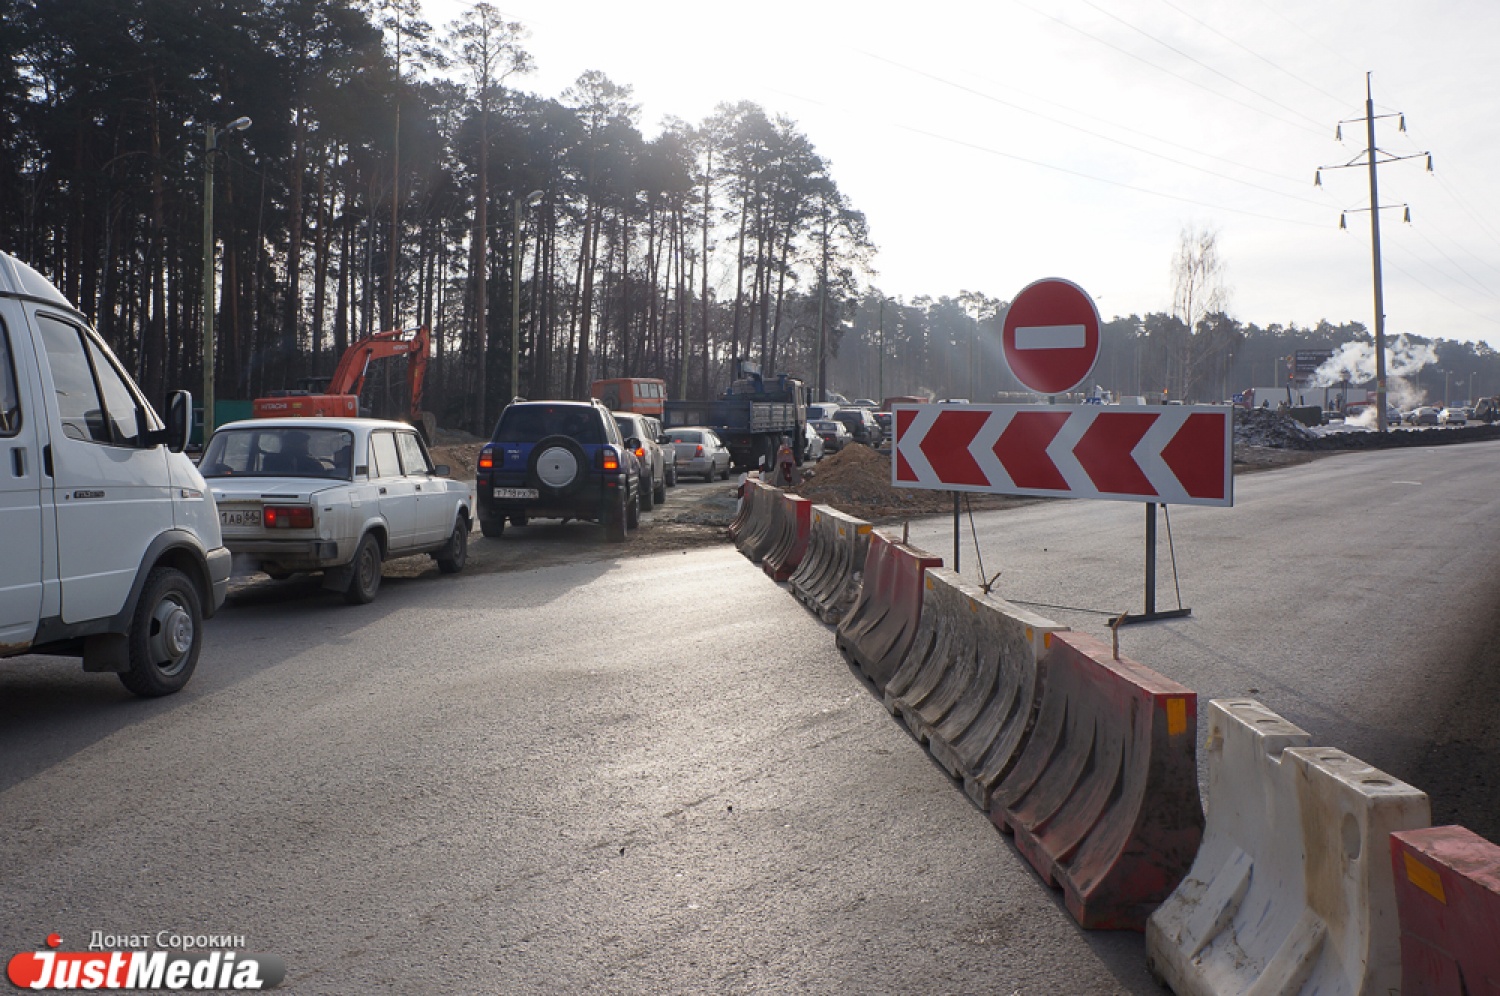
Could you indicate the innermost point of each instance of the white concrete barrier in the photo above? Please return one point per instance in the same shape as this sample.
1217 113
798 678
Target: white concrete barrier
1291 891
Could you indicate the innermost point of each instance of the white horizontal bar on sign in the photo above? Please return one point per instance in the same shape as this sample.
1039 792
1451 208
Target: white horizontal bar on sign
1051 337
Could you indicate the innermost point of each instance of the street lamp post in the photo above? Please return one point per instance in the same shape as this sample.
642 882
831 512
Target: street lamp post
210 145
515 290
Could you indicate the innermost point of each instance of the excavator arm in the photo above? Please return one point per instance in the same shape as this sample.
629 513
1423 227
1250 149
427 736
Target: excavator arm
349 375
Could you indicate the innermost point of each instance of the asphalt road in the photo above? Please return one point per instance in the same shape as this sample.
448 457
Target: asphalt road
656 774
1355 595
643 776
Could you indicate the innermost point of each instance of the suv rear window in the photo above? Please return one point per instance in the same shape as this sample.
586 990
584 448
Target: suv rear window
529 423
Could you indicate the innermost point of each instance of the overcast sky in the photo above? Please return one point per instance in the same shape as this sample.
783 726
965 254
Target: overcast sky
993 143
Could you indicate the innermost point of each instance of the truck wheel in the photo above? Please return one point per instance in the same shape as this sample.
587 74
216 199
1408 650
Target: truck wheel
364 575
451 558
492 528
166 634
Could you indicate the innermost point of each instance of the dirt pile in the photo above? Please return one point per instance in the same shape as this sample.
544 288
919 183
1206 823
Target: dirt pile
1263 427
857 480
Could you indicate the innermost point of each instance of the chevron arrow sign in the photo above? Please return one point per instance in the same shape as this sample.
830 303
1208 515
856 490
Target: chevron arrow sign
1174 454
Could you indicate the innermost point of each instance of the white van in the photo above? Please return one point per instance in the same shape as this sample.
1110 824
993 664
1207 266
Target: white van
109 539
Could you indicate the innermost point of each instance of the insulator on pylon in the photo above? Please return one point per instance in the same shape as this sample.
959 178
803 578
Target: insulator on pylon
1342 222
1338 133
1429 162
1407 217
1403 124
1317 178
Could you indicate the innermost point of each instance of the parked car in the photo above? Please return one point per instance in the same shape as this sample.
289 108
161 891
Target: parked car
821 409
835 436
883 419
651 455
1423 415
812 445
699 451
668 453
1453 416
109 542
861 425
559 460
336 495
864 403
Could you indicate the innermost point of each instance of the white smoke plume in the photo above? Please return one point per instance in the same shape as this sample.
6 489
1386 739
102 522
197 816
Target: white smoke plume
1354 362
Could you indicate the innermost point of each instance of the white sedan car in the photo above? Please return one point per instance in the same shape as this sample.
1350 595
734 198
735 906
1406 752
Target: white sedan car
337 495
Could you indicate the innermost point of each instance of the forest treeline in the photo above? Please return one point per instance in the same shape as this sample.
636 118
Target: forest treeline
398 173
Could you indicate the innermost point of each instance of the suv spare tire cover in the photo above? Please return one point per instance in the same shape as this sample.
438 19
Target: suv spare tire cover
559 467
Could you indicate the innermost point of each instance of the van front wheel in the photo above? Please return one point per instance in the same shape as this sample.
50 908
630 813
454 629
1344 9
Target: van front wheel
166 635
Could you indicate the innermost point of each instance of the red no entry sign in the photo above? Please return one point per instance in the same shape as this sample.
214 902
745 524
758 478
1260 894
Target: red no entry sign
1051 336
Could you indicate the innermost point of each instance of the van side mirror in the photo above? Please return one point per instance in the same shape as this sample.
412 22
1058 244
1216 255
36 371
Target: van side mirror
179 420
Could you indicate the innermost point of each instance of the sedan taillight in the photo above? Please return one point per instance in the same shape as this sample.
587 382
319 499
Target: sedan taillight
288 517
699 453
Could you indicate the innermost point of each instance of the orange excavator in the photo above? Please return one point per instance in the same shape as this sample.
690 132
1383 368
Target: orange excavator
339 395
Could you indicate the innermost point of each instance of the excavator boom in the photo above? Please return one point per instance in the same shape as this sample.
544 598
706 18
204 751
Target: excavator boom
341 397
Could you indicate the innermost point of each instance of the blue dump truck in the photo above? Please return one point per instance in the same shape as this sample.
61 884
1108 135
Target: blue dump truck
752 417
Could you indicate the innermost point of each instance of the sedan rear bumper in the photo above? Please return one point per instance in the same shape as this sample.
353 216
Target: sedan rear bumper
293 555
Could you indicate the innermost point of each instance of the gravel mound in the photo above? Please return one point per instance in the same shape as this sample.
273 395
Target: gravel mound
1263 427
857 480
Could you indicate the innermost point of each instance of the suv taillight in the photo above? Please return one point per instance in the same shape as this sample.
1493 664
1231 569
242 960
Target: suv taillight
487 457
288 517
700 450
608 458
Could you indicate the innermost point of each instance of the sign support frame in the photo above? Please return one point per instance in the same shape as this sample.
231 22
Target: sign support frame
1151 614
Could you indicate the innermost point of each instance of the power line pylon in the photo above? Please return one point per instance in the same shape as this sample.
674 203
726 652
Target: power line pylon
1371 157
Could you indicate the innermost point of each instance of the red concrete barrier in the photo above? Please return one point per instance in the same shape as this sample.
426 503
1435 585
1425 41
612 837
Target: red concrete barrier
879 629
790 542
1448 899
1103 800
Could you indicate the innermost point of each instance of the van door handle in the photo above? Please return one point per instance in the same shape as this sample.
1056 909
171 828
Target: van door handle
18 460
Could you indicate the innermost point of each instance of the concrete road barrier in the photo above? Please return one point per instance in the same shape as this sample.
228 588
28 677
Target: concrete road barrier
1447 882
829 580
742 509
1291 891
790 542
878 631
1104 798
764 524
969 686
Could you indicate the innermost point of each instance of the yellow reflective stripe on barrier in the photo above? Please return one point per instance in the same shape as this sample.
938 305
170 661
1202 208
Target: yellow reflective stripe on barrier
861 530
1176 716
929 582
1424 878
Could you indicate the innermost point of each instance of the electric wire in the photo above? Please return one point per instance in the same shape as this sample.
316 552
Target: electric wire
1199 62
1173 73
1134 148
1307 83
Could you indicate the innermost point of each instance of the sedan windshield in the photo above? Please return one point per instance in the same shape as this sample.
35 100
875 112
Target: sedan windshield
279 451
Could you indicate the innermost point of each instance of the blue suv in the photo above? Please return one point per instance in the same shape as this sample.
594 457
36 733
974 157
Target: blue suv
558 460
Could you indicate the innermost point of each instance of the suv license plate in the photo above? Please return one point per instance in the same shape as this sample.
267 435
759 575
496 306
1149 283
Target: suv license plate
516 493
243 518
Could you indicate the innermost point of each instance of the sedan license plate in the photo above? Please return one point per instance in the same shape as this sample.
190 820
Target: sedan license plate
516 493
247 517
